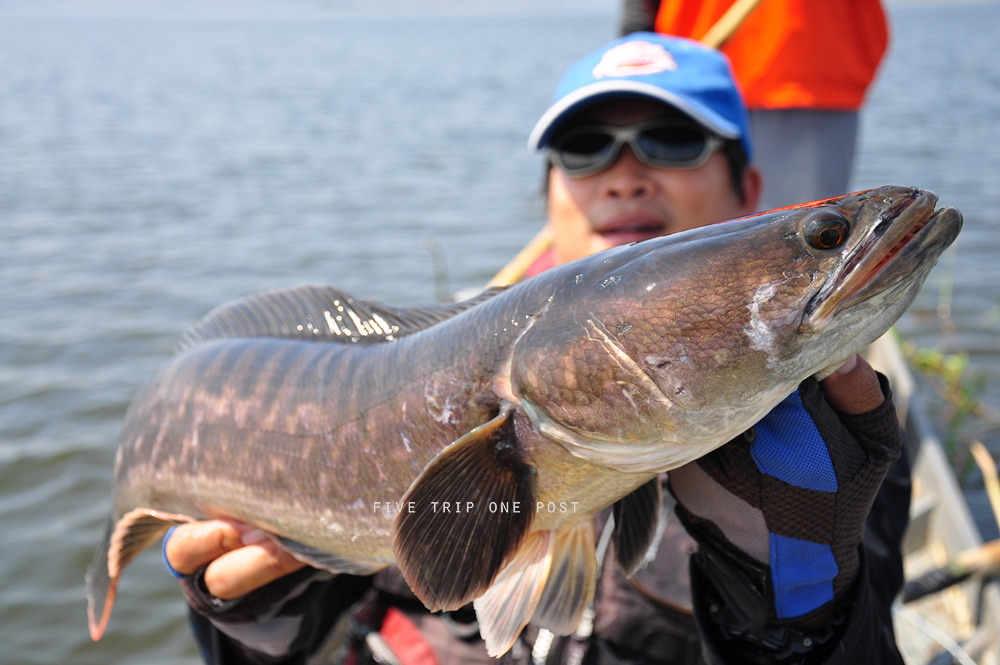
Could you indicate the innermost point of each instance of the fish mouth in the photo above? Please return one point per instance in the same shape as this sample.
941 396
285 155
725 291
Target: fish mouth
910 231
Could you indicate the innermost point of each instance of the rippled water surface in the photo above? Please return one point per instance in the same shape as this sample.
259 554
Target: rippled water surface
158 160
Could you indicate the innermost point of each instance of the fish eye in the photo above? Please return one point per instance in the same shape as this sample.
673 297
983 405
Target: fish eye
827 230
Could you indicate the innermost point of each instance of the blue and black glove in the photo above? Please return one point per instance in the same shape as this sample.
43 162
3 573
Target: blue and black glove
779 513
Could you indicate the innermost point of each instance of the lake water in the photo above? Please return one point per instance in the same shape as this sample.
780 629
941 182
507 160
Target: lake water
159 159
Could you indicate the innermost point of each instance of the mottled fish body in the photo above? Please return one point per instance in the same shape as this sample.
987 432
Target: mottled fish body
472 443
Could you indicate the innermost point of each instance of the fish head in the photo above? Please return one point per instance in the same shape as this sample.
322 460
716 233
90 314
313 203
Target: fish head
665 349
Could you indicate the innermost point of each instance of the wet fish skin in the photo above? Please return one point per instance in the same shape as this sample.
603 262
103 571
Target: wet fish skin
579 385
746 299
255 399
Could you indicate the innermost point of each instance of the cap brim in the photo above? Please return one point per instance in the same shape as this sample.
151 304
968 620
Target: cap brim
541 135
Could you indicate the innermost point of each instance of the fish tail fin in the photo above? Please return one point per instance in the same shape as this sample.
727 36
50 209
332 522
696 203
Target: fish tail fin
551 581
100 587
123 540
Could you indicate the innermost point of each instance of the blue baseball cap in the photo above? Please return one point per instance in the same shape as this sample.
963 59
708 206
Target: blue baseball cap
688 76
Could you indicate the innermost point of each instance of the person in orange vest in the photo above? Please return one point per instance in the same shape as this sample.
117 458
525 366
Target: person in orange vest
804 68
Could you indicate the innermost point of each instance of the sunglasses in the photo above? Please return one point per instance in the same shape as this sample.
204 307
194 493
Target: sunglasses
668 144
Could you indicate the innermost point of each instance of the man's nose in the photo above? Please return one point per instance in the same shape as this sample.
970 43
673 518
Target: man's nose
627 177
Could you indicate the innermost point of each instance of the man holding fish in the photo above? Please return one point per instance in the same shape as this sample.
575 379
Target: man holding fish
648 137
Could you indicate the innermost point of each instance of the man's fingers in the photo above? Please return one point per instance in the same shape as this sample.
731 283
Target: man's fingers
248 568
854 388
239 559
196 544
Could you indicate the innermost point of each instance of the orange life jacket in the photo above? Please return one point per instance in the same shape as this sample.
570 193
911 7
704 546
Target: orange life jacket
820 54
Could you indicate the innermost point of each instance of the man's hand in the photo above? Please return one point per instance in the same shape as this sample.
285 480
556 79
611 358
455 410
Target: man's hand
783 508
853 388
239 559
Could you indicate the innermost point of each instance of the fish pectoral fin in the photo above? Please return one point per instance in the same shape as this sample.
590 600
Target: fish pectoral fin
572 579
469 510
123 541
509 604
335 563
637 521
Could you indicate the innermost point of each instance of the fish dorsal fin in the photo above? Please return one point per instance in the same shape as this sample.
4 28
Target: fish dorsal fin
321 314
572 579
465 516
637 518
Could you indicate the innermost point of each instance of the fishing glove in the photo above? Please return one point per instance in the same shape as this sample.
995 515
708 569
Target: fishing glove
779 513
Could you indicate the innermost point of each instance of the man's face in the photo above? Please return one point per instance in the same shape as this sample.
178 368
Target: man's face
630 201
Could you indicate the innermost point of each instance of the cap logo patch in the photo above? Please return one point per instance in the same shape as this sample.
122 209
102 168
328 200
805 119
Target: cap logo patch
635 59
